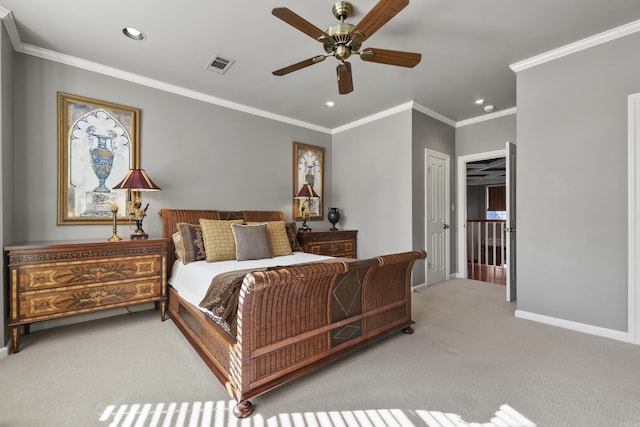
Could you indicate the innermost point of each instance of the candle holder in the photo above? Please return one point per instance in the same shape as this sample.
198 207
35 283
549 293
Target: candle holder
115 237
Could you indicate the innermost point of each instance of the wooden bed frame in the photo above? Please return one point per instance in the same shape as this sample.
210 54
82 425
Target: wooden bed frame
293 320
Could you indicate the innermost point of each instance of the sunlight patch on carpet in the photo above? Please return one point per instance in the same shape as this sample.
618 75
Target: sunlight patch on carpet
220 414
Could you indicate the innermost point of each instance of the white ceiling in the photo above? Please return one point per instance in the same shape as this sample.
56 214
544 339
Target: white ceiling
466 46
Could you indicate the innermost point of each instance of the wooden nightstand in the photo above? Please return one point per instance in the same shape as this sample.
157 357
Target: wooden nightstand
340 243
53 280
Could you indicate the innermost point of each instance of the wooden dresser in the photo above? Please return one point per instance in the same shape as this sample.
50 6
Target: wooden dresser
53 280
340 243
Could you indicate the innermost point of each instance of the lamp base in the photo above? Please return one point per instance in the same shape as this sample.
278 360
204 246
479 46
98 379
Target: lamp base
305 227
139 234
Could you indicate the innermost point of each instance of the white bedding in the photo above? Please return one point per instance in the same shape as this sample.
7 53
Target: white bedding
192 280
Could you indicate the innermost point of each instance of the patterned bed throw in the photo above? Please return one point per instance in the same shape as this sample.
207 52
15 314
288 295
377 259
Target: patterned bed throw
222 298
224 291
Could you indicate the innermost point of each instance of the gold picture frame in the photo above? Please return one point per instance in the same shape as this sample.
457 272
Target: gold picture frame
308 168
98 142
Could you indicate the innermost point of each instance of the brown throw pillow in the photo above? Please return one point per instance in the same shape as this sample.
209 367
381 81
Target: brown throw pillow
292 234
191 242
252 241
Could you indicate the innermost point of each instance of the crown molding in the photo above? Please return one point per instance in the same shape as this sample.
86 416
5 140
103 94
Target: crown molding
485 117
595 40
372 118
429 112
12 29
411 105
160 85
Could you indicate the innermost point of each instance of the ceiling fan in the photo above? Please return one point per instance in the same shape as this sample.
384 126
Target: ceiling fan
343 40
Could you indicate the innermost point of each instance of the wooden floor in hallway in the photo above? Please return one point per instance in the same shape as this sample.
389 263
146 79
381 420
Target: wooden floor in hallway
487 273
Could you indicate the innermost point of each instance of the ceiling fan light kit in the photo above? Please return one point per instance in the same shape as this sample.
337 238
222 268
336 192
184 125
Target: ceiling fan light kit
343 39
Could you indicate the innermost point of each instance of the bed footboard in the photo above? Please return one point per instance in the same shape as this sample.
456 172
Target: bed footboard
293 320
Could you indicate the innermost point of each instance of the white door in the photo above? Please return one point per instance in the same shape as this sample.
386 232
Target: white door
437 213
511 221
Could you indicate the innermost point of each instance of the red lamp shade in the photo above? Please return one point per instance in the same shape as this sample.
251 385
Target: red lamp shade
137 179
306 192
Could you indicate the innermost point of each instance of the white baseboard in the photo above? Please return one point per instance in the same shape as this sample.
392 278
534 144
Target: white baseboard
575 326
417 288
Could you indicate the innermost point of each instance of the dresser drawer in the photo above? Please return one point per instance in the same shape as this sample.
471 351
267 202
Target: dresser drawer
83 299
69 273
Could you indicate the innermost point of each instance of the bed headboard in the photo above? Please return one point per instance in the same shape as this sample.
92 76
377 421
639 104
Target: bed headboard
171 218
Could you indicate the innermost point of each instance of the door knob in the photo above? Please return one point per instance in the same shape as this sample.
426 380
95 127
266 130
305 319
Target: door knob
446 226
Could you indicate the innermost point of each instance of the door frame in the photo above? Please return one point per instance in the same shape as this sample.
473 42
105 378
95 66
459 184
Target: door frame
633 206
447 260
461 228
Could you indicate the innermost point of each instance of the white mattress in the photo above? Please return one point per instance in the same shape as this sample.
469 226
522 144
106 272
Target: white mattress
192 280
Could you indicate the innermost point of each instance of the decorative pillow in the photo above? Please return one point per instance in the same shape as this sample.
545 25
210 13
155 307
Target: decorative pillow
219 244
177 244
292 234
277 237
252 241
192 242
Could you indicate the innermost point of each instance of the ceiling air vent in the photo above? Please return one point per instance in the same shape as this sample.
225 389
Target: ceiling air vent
219 64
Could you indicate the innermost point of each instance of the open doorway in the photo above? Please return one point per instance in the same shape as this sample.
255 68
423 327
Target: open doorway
486 212
486 220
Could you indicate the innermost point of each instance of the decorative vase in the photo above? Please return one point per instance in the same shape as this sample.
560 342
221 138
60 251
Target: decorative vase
101 162
333 216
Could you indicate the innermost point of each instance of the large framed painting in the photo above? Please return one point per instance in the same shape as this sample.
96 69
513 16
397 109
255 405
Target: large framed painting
308 168
98 142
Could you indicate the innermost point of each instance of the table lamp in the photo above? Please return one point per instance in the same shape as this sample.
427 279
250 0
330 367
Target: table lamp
137 180
306 192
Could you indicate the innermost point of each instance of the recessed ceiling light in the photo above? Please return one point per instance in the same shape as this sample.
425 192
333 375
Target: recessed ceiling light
479 101
132 33
330 104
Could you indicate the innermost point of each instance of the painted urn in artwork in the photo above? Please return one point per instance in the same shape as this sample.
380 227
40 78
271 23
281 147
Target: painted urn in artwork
101 162
333 216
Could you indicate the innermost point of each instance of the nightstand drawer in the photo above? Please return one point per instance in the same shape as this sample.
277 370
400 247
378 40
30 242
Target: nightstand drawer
341 248
338 243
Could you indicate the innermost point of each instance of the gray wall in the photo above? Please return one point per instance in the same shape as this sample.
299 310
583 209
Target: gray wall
372 184
429 133
485 136
6 167
572 184
201 155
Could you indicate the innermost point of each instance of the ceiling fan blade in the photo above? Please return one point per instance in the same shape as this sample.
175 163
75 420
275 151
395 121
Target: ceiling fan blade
345 82
299 65
381 13
298 22
391 57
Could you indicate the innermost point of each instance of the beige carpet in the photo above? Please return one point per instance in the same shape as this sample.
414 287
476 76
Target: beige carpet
469 361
